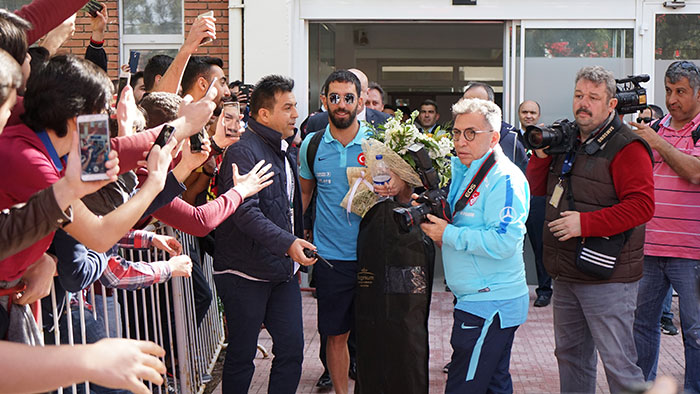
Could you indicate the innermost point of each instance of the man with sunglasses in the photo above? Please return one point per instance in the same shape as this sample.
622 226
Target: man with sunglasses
649 114
482 251
335 231
673 234
364 114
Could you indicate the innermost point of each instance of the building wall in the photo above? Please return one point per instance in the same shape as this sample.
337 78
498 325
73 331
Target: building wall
83 31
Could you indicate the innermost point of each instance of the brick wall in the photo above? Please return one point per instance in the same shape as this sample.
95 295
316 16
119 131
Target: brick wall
83 31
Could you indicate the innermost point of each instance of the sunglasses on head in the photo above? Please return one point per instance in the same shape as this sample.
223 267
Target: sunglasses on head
686 65
334 98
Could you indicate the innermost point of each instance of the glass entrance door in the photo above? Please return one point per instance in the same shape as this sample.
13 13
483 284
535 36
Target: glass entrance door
545 56
670 35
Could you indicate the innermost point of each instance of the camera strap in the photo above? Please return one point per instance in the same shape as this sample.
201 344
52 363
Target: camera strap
476 181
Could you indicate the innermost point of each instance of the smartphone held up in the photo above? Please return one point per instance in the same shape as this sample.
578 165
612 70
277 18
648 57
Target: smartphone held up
94 146
206 40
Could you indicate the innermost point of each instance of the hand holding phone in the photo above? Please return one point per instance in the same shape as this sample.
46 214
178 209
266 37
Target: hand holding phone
94 146
164 136
206 40
92 7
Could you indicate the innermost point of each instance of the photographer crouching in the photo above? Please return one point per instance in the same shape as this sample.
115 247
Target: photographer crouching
600 192
482 251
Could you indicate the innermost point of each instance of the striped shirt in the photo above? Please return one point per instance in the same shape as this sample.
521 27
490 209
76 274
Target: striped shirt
674 231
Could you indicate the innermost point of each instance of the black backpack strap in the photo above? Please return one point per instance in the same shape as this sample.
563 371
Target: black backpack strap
695 134
312 149
310 213
656 125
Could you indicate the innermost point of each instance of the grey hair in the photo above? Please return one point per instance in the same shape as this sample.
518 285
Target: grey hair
598 75
489 90
488 109
676 71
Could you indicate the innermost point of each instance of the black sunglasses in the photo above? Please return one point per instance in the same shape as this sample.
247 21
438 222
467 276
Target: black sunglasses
334 98
646 119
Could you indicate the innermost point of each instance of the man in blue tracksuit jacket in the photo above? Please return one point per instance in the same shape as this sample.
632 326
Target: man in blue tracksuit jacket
482 250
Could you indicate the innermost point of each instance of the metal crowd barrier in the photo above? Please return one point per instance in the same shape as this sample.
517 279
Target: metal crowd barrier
145 314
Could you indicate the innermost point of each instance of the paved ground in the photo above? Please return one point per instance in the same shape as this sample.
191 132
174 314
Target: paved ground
533 365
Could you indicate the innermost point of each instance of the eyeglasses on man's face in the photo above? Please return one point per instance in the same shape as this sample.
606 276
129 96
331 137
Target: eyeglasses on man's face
334 98
645 119
469 134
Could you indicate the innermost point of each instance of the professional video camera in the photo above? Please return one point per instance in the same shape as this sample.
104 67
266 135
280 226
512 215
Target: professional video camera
631 97
560 137
433 200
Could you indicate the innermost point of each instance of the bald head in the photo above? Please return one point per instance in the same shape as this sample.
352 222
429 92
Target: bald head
529 113
364 85
476 92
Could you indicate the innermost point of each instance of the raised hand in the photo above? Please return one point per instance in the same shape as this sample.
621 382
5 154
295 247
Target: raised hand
257 179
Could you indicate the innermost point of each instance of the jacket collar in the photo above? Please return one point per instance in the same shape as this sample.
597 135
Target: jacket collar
270 136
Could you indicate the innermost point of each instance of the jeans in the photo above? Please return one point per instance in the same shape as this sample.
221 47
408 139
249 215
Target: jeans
666 310
113 314
590 317
94 331
247 305
535 228
659 274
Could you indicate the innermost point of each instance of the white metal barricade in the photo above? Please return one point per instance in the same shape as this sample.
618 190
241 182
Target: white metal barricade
162 313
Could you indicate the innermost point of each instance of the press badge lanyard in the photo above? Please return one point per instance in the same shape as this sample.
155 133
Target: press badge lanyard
565 172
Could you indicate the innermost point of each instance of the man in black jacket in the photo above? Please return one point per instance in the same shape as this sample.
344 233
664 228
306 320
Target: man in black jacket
259 247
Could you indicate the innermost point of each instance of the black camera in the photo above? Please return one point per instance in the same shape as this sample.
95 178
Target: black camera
560 137
433 200
631 97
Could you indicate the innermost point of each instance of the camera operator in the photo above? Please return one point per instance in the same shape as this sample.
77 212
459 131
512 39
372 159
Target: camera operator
672 240
482 251
599 185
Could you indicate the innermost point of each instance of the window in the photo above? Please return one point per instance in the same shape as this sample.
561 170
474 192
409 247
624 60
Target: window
676 39
152 16
553 56
13 5
151 27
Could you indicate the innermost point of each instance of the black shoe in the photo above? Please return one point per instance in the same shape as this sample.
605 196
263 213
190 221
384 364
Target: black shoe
325 382
667 326
352 372
542 301
446 367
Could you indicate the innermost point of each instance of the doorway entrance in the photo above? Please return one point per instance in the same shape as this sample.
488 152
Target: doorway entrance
411 61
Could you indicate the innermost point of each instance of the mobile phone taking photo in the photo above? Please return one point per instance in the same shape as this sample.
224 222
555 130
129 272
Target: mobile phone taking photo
134 57
163 136
92 7
93 131
124 81
205 40
196 142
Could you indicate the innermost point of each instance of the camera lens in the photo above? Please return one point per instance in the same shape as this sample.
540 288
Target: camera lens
404 218
535 137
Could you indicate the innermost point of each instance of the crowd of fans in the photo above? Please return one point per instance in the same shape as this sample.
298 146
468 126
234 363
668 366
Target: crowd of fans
263 197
